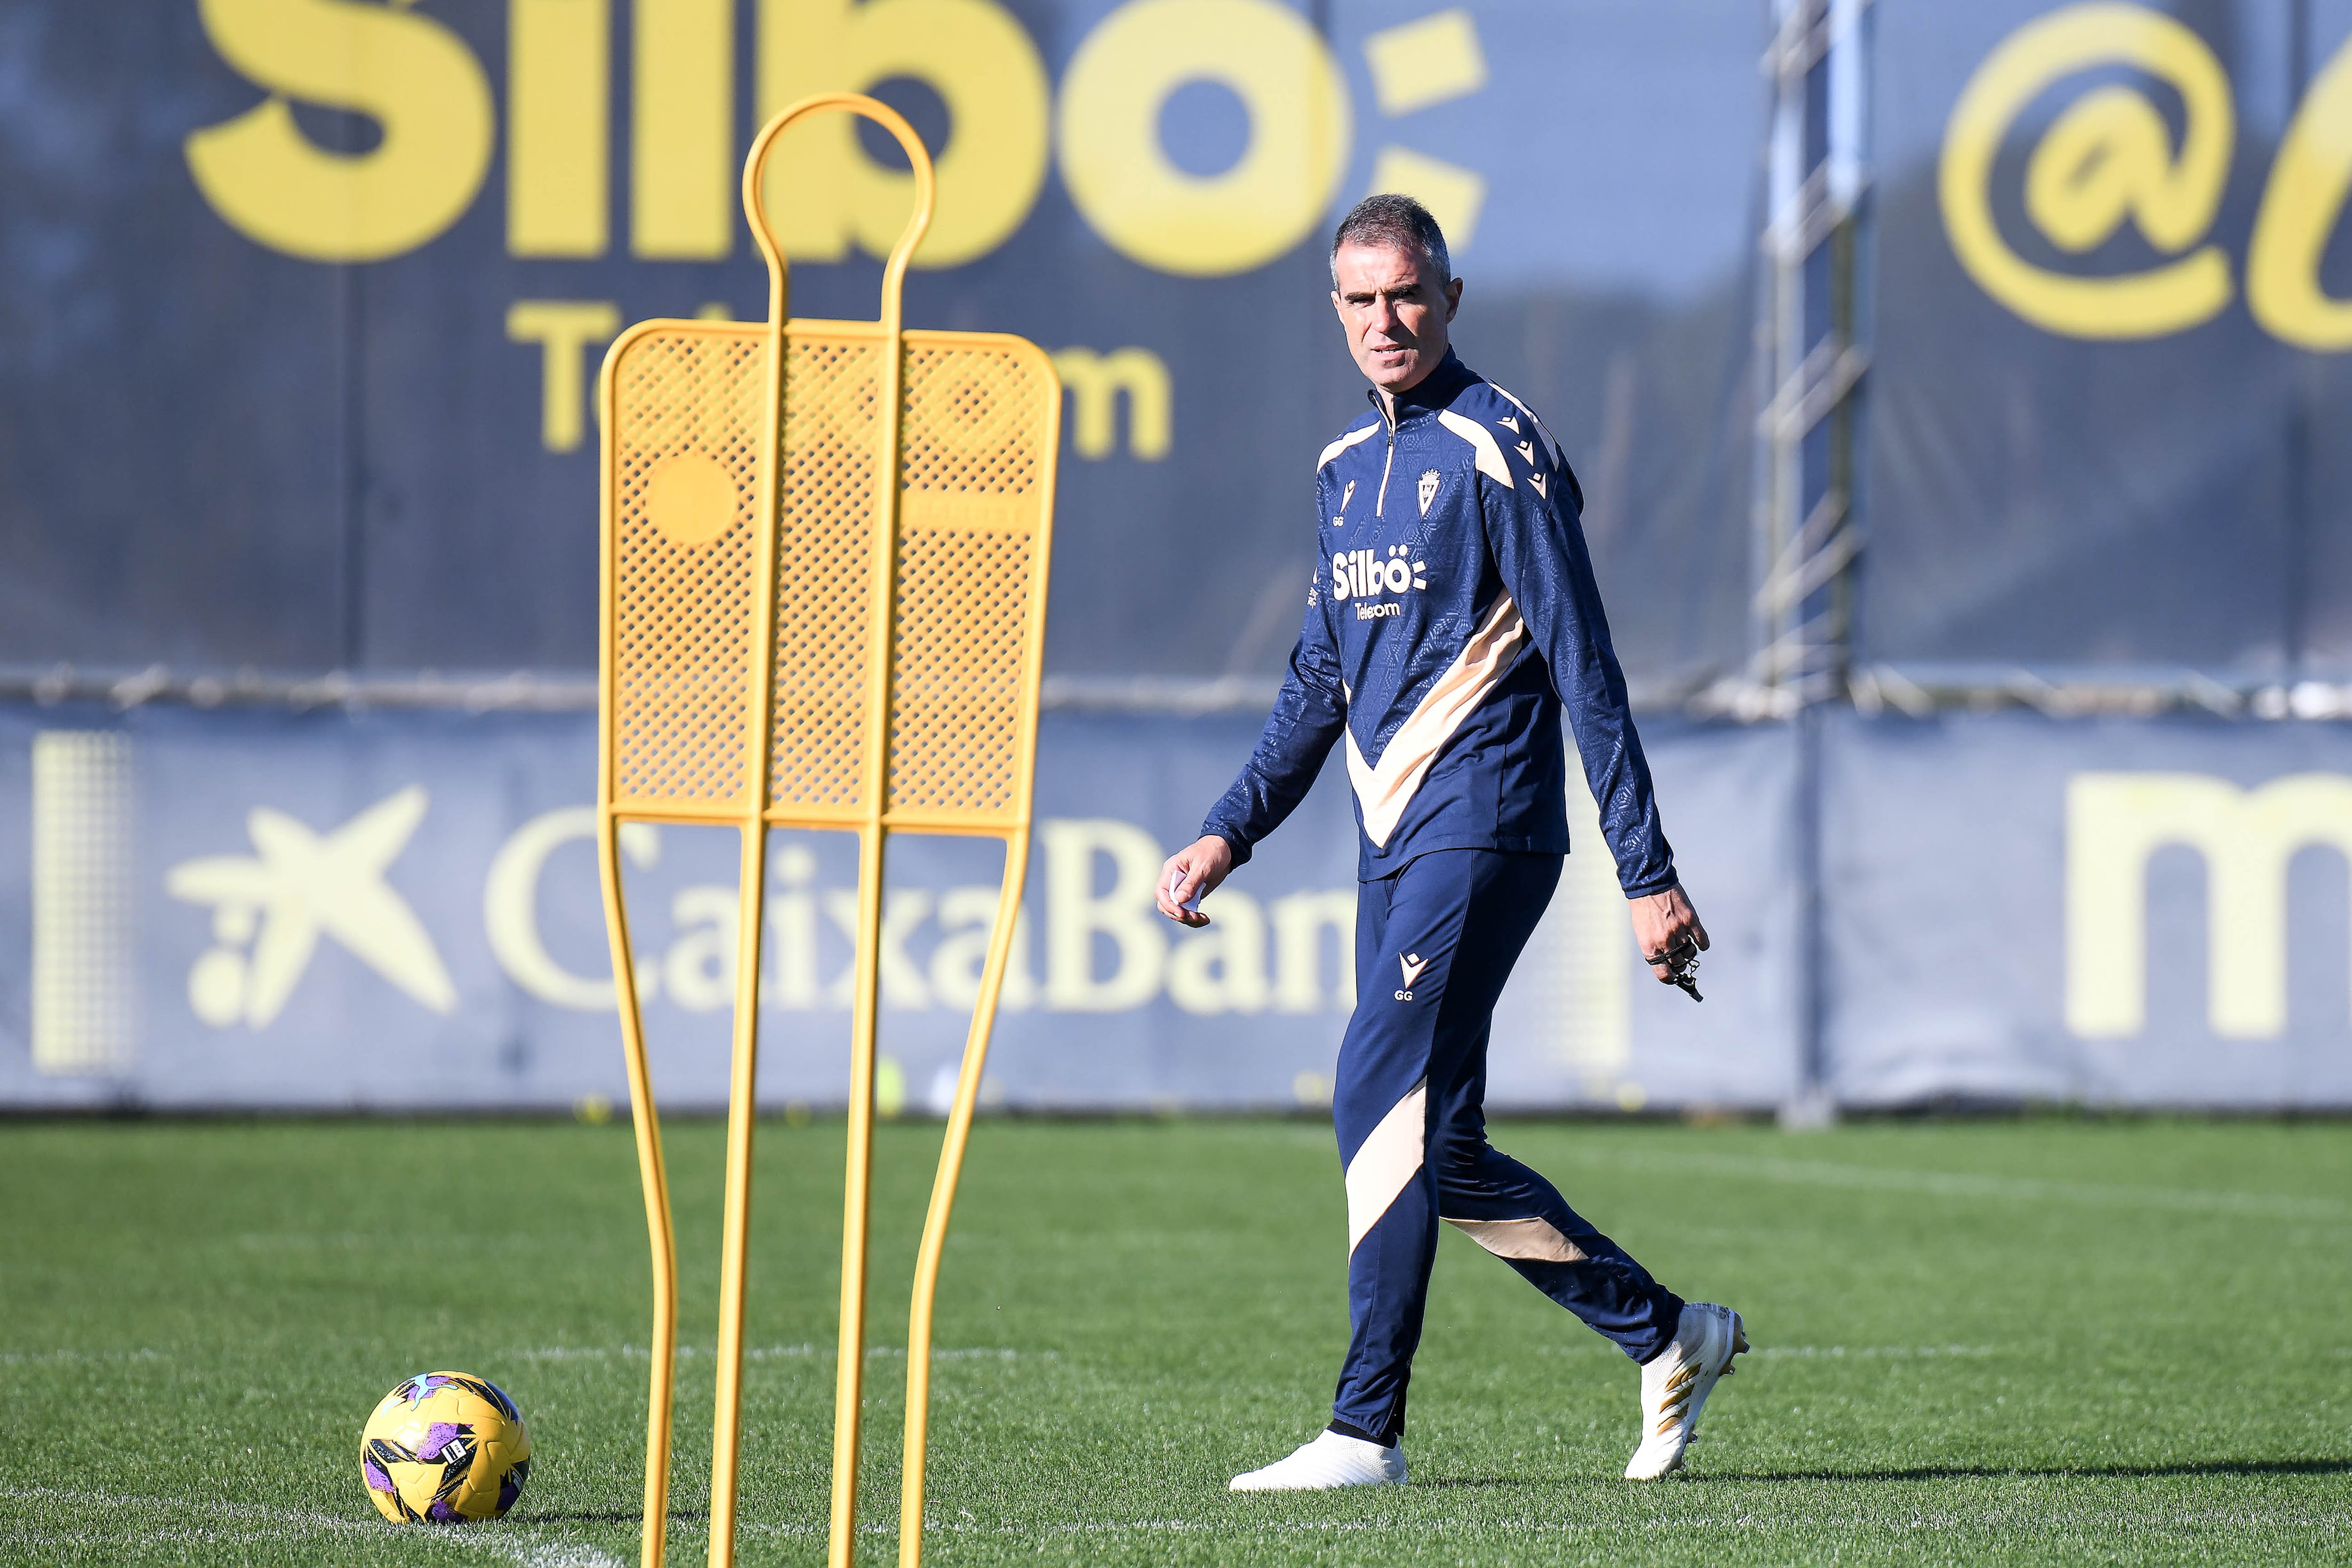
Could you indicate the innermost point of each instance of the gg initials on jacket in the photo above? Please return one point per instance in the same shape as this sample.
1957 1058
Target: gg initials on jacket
1451 616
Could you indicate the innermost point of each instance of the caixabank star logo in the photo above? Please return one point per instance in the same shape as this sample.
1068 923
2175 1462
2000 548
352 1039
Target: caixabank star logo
270 907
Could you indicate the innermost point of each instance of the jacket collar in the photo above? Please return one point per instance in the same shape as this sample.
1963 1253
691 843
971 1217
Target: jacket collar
1432 392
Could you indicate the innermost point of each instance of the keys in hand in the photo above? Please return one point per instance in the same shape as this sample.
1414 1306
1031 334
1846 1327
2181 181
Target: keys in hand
1682 965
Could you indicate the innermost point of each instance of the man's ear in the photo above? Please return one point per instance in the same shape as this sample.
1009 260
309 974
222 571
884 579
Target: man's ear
1452 298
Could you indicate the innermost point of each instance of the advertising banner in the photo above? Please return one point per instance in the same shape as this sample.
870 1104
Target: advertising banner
2117 913
301 303
401 912
2110 416
302 300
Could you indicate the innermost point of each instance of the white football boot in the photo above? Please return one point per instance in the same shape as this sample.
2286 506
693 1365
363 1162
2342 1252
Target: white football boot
1675 1383
1333 1459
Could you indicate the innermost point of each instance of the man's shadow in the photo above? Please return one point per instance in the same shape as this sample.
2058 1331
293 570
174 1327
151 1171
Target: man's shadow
611 1516
2102 1472
1947 1473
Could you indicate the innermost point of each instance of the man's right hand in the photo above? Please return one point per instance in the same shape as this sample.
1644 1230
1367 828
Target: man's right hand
1664 927
1191 874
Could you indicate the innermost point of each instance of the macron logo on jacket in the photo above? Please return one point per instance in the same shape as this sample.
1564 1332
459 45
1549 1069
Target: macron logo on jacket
1452 612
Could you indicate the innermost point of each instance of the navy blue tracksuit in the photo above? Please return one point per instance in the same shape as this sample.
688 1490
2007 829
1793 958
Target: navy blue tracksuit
1451 618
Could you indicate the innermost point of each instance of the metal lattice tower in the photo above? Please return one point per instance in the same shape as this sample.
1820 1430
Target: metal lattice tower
1811 312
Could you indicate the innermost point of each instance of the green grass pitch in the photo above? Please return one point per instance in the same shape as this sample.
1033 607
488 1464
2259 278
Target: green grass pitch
2038 1341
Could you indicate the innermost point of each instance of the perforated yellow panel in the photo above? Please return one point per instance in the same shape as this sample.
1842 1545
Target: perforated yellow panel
825 544
684 459
976 435
975 416
978 430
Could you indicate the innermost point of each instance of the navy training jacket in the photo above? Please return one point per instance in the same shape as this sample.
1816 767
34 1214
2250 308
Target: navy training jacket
1453 612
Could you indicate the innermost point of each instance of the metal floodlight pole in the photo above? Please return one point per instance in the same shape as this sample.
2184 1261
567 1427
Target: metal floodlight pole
1807 541
1812 361
826 553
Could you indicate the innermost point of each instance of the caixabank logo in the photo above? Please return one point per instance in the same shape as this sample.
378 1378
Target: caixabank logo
1103 947
299 925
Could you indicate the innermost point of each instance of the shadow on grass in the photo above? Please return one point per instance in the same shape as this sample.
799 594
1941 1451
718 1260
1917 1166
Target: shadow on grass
1923 1473
636 1516
2091 1472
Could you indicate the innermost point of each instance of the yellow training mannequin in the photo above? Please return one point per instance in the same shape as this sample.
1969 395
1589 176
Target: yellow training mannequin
791 640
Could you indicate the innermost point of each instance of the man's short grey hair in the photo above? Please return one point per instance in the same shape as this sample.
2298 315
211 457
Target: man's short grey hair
1392 222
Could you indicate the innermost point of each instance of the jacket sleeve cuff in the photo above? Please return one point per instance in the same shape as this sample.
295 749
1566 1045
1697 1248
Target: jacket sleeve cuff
1233 840
1660 884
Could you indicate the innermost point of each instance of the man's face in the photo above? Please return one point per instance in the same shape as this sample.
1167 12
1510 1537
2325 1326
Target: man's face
1395 309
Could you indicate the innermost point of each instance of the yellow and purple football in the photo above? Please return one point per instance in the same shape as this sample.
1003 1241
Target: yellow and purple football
445 1448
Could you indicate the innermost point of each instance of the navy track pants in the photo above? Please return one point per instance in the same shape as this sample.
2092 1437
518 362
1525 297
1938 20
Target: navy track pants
1434 942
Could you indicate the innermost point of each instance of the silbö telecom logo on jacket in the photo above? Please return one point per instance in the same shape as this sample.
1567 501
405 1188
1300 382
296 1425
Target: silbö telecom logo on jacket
1360 574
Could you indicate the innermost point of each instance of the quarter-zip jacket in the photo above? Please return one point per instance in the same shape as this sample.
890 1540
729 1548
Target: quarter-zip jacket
1451 614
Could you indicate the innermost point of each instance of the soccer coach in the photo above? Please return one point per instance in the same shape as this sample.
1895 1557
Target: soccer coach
1451 616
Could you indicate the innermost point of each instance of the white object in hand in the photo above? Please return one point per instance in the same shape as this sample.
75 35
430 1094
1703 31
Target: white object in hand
1191 906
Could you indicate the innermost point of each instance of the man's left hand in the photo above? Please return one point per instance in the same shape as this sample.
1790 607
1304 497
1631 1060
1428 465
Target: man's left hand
1666 926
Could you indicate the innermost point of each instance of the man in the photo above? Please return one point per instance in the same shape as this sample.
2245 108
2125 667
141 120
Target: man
1451 616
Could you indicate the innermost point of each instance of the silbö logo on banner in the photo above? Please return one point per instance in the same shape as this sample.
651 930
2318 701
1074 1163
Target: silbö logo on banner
1360 574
